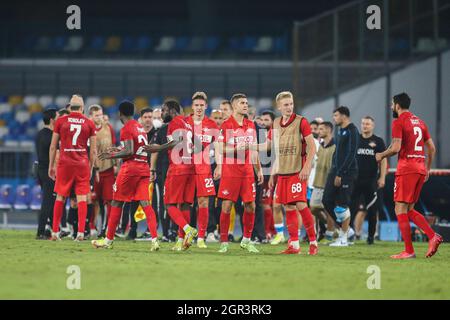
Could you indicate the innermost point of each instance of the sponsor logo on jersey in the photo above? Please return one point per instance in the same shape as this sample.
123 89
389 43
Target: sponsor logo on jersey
366 152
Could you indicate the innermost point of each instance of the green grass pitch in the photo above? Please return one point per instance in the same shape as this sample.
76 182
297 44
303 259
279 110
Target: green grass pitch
31 269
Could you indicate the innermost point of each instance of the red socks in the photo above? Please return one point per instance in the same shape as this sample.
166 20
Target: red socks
224 226
420 221
202 222
113 221
151 221
82 213
57 215
292 224
308 221
248 220
269 222
177 216
405 229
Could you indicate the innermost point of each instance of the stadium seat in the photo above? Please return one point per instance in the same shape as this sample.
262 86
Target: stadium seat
211 44
5 108
166 44
36 198
23 198
29 44
62 101
251 101
249 43
58 43
214 103
181 44
280 45
113 44
30 100
196 44
129 44
108 102
6 196
43 44
140 102
89 101
74 44
264 103
264 44
22 116
45 100
35 108
144 43
186 102
3 131
156 102
97 43
3 99
15 100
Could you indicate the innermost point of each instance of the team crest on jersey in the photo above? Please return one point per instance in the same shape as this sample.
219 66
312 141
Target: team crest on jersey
372 144
226 192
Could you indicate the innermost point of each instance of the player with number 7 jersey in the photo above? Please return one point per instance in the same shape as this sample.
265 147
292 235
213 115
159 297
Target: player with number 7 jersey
73 131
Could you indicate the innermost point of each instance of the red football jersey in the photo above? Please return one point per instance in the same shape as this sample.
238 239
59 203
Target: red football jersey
414 133
207 132
180 157
232 133
74 131
137 163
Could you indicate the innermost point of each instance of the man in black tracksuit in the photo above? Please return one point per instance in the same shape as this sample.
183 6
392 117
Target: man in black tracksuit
368 182
343 173
43 140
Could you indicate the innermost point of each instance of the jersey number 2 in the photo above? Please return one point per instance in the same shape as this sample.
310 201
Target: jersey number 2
77 129
418 133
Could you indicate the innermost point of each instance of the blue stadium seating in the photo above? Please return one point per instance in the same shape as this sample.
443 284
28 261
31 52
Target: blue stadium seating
6 196
36 198
97 43
23 197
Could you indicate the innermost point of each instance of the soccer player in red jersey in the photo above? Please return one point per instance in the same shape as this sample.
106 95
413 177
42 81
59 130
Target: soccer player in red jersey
179 188
206 131
294 148
74 166
416 150
134 176
238 177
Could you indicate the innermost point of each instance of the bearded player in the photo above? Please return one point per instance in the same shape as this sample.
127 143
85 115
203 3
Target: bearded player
238 177
179 188
74 167
206 131
411 140
134 176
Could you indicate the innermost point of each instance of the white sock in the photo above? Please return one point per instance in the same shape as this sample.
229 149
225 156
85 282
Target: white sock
244 239
313 243
329 233
295 244
186 227
108 241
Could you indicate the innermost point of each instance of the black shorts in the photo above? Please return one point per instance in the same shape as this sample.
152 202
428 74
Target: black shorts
338 196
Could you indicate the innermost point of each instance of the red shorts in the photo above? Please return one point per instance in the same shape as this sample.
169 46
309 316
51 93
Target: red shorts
267 194
204 185
179 189
104 188
290 189
407 187
129 188
68 177
232 187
